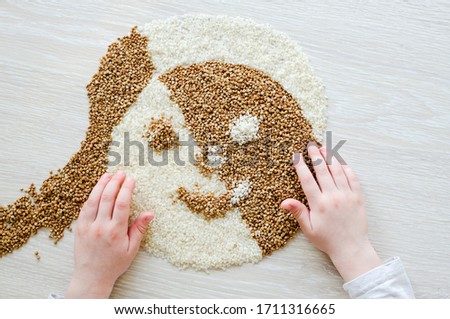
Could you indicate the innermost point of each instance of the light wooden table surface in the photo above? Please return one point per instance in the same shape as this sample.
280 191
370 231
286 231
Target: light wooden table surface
386 67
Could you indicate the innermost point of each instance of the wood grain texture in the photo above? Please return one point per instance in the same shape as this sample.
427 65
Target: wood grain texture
386 67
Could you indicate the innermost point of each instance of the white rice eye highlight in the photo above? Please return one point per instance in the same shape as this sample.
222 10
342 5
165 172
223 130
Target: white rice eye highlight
244 129
241 191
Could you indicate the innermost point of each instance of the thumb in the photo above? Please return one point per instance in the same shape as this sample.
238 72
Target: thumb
138 229
299 211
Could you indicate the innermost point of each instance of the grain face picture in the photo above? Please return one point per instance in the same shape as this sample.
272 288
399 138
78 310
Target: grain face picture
246 111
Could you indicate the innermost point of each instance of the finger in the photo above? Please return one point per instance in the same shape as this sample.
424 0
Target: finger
137 231
300 213
306 178
108 197
89 210
121 211
323 176
352 179
336 170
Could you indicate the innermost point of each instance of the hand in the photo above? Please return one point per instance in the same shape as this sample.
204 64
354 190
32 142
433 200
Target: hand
104 244
336 221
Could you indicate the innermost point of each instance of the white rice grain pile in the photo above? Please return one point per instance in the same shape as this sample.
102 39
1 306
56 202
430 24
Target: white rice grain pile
244 129
241 191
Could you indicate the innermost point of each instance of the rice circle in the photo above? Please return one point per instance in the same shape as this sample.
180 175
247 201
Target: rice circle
211 73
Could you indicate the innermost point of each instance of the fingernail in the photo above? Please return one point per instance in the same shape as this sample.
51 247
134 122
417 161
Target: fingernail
120 173
149 219
130 181
295 158
302 159
105 176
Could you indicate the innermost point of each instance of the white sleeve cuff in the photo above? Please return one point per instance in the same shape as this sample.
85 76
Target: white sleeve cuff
388 280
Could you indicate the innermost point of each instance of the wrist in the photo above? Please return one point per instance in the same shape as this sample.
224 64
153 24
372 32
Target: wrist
355 261
81 287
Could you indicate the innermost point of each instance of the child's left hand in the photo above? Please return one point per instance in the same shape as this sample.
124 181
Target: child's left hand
104 244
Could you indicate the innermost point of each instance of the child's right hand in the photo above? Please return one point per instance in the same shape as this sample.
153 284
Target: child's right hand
105 245
336 221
